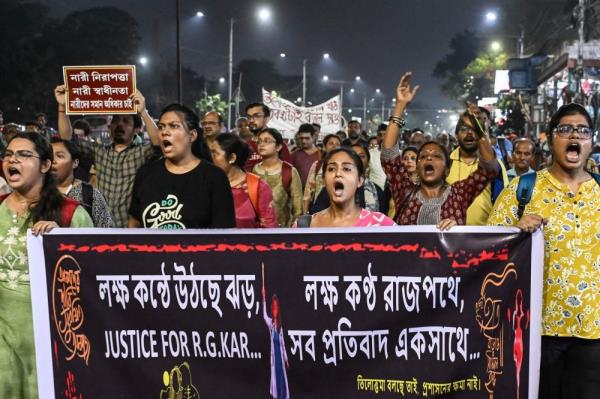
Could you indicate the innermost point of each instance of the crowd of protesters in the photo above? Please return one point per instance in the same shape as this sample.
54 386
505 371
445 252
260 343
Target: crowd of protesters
188 172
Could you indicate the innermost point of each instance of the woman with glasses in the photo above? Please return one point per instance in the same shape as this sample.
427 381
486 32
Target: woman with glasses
34 203
565 198
281 176
431 200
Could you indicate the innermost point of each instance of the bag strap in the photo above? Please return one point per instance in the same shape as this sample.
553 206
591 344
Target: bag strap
524 191
596 177
67 209
286 176
87 198
304 221
253 182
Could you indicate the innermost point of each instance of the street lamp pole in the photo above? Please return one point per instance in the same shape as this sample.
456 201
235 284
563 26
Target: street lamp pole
304 82
230 73
365 107
179 86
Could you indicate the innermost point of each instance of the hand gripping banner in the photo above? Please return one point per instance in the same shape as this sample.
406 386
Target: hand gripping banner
387 312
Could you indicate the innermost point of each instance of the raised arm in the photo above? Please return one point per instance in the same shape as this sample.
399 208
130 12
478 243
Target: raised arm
64 123
404 95
140 107
487 155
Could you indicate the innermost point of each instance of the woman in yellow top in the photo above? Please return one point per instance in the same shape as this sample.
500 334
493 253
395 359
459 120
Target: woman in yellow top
566 200
281 176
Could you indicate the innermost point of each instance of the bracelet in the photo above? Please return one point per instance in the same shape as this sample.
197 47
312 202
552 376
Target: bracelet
62 110
398 121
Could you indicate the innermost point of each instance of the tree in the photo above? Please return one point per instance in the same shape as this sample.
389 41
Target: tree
24 56
480 74
212 103
465 48
40 46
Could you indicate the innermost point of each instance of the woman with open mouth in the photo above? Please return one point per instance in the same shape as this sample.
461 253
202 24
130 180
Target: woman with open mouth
35 203
181 191
431 201
343 174
565 199
67 155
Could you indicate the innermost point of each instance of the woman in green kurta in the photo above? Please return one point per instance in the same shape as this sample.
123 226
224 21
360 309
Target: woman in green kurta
34 203
287 196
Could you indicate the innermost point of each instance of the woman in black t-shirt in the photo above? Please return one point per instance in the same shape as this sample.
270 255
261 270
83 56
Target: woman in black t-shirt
181 191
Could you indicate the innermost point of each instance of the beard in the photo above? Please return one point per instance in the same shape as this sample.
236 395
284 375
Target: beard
466 148
353 135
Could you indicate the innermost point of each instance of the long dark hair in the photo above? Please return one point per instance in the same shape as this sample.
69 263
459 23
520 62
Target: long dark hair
50 203
192 122
231 144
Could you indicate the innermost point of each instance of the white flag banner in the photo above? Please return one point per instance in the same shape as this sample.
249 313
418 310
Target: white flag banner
287 117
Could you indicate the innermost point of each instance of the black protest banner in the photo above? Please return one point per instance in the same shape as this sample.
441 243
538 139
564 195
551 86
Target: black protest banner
395 312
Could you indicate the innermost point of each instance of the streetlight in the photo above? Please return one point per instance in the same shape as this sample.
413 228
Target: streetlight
326 56
282 55
264 15
495 46
221 80
491 16
325 78
357 78
143 61
199 14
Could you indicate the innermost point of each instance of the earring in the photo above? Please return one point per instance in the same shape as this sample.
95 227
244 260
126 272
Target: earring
231 162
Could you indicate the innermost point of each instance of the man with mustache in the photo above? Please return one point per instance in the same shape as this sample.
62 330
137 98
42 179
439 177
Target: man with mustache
117 163
258 115
465 160
354 134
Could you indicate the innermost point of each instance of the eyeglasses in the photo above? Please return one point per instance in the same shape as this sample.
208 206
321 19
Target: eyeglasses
567 130
259 142
465 129
20 155
256 116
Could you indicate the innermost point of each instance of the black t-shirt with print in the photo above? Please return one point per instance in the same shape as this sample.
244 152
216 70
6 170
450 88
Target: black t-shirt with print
200 198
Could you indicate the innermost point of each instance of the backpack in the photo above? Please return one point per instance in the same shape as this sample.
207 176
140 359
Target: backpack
525 189
253 181
67 210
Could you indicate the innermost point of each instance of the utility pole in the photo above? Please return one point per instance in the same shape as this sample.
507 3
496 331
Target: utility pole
304 82
179 85
580 30
230 74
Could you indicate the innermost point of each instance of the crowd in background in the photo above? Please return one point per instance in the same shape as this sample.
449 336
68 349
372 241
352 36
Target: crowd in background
186 171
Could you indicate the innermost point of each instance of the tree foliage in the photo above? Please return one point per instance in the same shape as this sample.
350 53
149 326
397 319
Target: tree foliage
37 46
465 46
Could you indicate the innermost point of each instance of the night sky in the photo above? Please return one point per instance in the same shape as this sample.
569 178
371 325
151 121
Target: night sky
376 39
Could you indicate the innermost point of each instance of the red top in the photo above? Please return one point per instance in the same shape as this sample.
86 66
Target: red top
254 158
404 191
302 162
245 215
